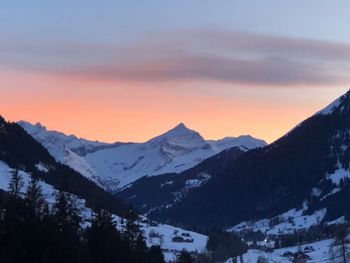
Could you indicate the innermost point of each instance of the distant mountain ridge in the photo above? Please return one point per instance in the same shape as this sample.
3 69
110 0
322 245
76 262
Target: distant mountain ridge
116 165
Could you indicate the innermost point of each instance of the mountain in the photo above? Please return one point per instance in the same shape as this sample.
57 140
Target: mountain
306 172
19 150
149 194
113 166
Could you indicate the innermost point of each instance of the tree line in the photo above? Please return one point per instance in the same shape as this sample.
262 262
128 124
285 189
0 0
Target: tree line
33 231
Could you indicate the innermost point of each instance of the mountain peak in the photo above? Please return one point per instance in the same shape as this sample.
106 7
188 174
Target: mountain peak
179 130
181 125
182 135
32 128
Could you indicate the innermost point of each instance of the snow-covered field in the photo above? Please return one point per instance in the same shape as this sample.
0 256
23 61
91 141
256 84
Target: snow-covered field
320 254
286 223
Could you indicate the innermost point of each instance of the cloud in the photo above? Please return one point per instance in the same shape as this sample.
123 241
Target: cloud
212 55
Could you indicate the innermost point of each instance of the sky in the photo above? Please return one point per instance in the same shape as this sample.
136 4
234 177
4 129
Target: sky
130 70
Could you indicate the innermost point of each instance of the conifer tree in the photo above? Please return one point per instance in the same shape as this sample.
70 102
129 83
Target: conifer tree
132 229
104 242
67 220
34 200
16 184
156 255
140 252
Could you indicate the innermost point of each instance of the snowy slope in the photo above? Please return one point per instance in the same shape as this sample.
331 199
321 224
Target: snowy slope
246 142
321 253
48 190
330 108
286 223
67 149
165 232
114 166
56 142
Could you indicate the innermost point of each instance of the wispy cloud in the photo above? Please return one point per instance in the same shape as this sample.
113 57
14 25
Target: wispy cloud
234 57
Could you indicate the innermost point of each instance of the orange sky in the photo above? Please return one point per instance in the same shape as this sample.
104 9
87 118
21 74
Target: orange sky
130 70
130 111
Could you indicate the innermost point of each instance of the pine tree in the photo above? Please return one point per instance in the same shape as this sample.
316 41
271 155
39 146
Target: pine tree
156 255
66 211
140 253
34 200
104 242
132 228
67 220
16 184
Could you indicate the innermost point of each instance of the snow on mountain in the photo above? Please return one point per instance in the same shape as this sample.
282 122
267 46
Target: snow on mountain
79 164
245 142
172 152
334 105
286 223
56 142
330 108
48 190
67 149
117 165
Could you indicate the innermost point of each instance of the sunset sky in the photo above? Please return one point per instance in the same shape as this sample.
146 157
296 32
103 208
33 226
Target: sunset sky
129 70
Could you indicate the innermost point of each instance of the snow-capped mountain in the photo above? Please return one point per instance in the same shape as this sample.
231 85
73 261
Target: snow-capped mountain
244 142
307 168
20 151
114 166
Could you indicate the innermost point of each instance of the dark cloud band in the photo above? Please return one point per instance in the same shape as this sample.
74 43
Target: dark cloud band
235 57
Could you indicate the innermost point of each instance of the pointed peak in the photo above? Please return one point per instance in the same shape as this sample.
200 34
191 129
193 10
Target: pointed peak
181 125
179 130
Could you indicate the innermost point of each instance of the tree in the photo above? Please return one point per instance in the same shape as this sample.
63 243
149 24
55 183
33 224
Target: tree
225 245
156 255
67 220
132 228
66 211
185 257
104 241
34 200
16 184
140 252
340 239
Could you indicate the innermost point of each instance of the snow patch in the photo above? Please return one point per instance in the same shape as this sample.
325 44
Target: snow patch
42 167
338 175
285 223
330 108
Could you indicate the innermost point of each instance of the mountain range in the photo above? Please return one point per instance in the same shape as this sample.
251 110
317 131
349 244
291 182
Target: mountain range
114 166
179 178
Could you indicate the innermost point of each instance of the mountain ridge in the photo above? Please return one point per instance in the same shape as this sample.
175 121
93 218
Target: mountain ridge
265 182
114 166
